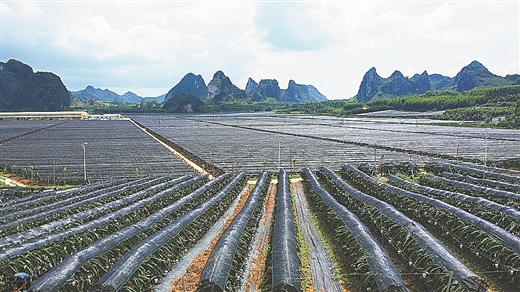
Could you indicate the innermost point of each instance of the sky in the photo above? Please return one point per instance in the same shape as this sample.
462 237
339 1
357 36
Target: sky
147 46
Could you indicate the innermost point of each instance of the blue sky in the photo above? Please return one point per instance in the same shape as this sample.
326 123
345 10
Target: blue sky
147 46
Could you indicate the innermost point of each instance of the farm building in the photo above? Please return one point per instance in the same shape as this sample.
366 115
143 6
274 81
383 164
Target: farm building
75 115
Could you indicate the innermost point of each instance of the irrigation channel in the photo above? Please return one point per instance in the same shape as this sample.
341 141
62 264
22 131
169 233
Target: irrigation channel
274 204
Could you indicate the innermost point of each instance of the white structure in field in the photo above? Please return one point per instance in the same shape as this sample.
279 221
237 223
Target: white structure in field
75 115
65 115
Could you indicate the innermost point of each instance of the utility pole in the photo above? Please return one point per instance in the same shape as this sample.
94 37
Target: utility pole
279 154
84 163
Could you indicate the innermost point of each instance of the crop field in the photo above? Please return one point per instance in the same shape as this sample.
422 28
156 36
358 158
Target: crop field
15 128
145 234
293 204
256 142
114 149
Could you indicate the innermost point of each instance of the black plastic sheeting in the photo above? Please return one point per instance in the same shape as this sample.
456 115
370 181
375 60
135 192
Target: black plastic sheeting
285 262
68 204
126 266
65 201
490 168
51 226
439 253
476 188
34 198
383 270
506 238
216 271
506 210
14 251
489 172
57 276
488 182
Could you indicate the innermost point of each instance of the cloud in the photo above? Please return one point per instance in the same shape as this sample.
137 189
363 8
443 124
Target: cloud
292 26
153 44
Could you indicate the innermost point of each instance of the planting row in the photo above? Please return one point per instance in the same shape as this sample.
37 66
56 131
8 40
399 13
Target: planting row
396 236
99 150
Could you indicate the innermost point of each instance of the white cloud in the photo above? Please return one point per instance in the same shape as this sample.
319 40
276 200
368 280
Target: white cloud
153 44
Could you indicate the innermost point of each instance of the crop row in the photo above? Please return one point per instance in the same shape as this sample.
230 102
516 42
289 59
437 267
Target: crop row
53 247
384 235
495 247
113 149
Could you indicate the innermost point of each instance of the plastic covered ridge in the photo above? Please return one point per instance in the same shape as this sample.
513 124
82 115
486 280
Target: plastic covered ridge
506 210
57 276
285 269
437 251
383 270
216 271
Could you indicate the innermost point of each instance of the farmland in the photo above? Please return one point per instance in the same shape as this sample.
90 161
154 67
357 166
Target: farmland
294 203
114 149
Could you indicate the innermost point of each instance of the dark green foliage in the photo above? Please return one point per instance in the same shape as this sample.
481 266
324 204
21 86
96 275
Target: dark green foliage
42 91
23 90
481 104
190 83
301 93
183 103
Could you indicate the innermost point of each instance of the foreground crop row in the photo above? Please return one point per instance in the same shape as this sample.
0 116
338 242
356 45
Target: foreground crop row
403 235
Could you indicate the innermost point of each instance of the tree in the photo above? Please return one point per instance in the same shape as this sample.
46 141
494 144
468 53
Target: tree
183 103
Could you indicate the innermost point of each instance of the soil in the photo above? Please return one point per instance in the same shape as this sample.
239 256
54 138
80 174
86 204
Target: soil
182 157
190 279
14 181
255 274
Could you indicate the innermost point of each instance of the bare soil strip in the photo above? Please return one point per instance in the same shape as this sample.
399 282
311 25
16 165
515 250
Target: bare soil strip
182 157
322 267
10 182
186 274
256 261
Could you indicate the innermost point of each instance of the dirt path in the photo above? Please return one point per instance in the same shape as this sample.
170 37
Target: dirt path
322 269
10 182
186 273
256 261
182 157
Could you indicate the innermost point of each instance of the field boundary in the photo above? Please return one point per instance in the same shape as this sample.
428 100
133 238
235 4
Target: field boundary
191 163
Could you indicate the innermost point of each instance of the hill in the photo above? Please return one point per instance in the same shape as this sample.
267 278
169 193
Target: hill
221 90
21 89
190 84
91 94
474 75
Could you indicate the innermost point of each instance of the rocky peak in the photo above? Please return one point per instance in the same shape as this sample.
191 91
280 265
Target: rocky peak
190 83
421 82
397 74
369 85
17 69
219 75
251 87
220 88
472 76
268 88
301 93
474 65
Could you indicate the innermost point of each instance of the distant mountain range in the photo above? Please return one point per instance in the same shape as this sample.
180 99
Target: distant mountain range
91 94
24 90
220 89
474 75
